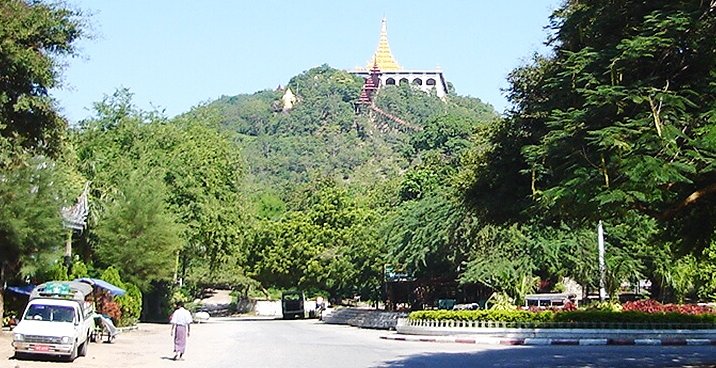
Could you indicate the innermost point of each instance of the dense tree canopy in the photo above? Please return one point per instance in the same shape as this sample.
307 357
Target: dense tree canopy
617 124
34 38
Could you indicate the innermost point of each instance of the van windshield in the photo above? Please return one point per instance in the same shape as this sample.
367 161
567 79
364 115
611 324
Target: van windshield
52 313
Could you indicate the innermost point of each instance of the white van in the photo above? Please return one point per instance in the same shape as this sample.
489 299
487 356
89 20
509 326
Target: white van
57 321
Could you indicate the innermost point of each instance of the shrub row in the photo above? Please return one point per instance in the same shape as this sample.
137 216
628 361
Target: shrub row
591 317
652 306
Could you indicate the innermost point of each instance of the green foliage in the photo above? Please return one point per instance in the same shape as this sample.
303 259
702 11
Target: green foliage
706 274
612 126
57 271
227 276
422 235
327 243
130 304
605 306
79 270
575 319
111 275
496 315
138 233
187 170
35 37
500 302
31 194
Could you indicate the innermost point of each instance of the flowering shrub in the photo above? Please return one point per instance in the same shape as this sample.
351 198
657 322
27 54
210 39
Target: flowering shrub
111 309
652 306
654 317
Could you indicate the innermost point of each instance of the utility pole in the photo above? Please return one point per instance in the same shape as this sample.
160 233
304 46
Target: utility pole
602 266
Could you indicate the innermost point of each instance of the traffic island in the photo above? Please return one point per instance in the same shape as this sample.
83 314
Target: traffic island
485 340
524 332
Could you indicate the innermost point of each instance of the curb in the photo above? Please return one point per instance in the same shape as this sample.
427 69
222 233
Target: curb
127 329
545 342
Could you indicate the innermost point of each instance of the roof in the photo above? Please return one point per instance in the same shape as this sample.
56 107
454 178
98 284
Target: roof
114 290
549 296
22 290
61 290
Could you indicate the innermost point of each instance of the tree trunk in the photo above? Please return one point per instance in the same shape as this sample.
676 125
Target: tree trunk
2 292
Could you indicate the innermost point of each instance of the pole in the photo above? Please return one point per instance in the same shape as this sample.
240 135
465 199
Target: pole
602 266
68 250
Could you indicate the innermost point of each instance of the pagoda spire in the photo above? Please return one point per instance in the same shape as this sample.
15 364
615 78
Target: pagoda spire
383 58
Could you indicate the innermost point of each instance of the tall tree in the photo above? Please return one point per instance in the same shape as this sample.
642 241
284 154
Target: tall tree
30 222
622 118
137 233
35 36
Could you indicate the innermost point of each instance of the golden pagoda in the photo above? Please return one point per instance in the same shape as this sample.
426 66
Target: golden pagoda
383 70
383 58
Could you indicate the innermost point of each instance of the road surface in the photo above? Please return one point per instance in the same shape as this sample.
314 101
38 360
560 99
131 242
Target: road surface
249 342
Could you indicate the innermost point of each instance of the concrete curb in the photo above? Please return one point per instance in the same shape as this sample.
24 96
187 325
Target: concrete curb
127 329
544 342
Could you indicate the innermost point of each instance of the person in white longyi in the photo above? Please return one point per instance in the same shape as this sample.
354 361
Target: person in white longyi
181 320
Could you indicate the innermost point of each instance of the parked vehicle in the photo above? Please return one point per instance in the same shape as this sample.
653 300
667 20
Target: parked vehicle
57 321
292 304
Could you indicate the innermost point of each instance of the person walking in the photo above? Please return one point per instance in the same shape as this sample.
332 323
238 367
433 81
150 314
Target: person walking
181 320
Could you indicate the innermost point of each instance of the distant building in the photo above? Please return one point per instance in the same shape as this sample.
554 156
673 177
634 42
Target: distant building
384 70
288 100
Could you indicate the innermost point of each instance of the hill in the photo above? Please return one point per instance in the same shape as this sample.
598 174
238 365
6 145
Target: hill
325 135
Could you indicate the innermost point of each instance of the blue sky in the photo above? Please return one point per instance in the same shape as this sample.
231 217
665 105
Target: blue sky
176 54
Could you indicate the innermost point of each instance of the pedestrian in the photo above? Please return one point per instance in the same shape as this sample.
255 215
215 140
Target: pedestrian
181 320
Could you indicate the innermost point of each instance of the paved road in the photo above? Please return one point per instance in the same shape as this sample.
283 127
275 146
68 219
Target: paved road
313 344
309 343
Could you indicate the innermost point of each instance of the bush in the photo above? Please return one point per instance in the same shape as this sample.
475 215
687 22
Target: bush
130 304
652 306
579 318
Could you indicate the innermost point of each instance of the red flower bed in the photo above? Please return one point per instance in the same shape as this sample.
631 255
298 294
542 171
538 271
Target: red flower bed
652 306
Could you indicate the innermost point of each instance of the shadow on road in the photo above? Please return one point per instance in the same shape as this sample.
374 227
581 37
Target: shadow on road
567 356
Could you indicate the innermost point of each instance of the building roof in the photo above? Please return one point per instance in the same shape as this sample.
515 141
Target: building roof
383 58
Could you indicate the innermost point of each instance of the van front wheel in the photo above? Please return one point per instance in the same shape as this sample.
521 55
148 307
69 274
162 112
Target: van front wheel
73 354
83 348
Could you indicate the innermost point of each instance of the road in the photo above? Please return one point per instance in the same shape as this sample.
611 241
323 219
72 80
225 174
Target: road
309 343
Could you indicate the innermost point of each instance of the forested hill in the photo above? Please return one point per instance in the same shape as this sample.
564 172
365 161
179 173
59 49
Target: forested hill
324 136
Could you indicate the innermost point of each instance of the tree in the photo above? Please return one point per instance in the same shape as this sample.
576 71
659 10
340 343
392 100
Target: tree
35 36
617 124
198 167
30 222
630 122
137 233
328 243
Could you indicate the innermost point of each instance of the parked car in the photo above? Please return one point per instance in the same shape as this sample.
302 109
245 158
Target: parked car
57 321
292 304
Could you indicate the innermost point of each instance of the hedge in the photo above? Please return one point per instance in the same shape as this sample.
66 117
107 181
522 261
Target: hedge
581 318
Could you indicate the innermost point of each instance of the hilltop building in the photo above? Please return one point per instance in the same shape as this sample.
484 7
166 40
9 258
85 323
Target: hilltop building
384 70
288 100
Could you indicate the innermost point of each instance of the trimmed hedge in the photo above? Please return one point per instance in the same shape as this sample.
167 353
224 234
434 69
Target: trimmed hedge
580 318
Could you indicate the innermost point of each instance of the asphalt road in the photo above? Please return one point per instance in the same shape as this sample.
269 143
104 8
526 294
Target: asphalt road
225 343
313 344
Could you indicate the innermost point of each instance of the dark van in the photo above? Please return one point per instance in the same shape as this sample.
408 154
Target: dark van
292 304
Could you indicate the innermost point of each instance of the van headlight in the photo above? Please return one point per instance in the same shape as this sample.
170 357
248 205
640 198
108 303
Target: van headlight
65 339
18 337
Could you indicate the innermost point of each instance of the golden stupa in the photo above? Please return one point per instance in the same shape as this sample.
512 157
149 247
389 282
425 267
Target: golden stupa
383 58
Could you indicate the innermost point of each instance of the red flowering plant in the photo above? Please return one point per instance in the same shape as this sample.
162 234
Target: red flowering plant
653 306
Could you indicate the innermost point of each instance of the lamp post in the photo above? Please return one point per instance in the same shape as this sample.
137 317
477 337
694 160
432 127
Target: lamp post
602 265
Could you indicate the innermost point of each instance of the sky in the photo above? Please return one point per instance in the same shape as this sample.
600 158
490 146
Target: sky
176 54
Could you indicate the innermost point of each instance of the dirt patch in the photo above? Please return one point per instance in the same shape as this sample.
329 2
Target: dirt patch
150 345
